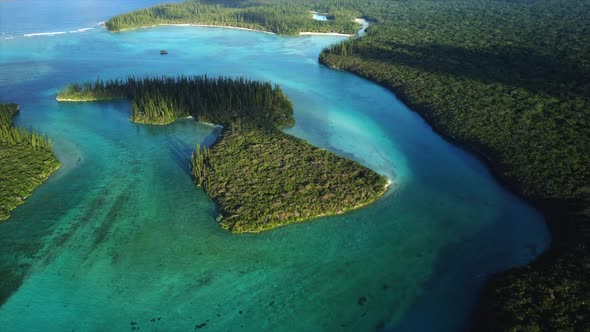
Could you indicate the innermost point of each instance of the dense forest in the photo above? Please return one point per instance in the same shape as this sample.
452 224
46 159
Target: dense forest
26 160
259 177
510 80
262 178
282 17
161 100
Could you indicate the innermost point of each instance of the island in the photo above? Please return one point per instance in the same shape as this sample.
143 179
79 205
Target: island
26 161
258 176
286 18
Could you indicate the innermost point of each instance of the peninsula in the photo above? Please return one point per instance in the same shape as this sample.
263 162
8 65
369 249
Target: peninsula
260 177
26 161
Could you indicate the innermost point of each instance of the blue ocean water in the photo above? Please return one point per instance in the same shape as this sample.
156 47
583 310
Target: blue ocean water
119 237
25 17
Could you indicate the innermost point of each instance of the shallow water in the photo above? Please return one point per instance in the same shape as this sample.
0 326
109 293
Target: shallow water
319 17
120 234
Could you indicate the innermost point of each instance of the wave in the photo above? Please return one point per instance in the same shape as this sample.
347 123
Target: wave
80 30
44 34
52 33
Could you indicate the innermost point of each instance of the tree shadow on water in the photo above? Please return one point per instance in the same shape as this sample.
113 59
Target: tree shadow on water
460 271
180 153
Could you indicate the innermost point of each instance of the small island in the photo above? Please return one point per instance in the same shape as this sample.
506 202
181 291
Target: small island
26 161
163 52
259 177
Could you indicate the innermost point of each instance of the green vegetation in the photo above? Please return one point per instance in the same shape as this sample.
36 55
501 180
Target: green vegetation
489 81
262 178
162 100
282 17
259 177
26 160
510 80
552 294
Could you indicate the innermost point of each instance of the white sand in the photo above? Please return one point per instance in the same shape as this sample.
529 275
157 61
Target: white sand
196 25
324 34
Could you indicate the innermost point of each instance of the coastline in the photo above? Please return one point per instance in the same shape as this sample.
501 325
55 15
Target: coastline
45 176
73 100
193 25
307 33
364 25
560 218
386 188
388 184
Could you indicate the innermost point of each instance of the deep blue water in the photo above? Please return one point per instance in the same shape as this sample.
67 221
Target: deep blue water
120 234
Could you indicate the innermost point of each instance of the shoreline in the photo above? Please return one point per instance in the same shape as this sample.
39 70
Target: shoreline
388 184
83 100
23 200
558 217
307 33
192 25
74 100
364 25
303 33
386 188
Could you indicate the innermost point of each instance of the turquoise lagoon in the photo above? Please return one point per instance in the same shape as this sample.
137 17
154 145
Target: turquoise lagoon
120 237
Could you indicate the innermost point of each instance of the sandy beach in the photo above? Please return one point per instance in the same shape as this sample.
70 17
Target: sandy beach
324 34
72 100
196 25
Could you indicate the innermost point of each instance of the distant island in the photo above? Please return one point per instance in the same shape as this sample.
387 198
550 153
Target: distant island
26 161
281 18
260 177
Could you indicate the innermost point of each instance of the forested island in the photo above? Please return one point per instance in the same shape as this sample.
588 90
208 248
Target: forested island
26 160
262 178
508 80
281 17
161 100
259 177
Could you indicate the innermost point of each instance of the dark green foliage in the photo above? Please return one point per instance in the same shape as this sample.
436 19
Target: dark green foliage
282 17
14 136
262 178
511 81
162 100
551 295
198 159
7 111
490 82
26 160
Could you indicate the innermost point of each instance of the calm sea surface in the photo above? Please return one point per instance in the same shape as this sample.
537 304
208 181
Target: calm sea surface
119 237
